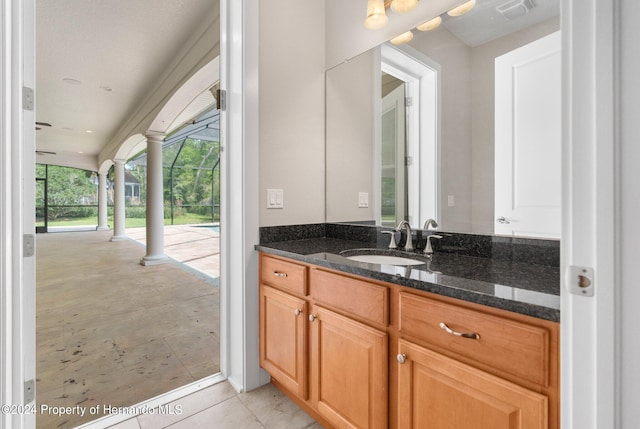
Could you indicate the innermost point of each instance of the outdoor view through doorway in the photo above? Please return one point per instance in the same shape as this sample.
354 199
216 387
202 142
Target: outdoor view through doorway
110 332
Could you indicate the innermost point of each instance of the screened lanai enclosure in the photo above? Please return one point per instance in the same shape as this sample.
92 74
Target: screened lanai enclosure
68 197
191 172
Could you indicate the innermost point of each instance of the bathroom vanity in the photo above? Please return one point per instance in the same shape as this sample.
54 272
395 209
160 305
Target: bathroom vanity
457 342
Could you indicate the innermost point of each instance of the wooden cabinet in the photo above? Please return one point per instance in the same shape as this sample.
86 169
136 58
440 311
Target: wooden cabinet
348 371
336 365
462 368
333 342
283 338
438 392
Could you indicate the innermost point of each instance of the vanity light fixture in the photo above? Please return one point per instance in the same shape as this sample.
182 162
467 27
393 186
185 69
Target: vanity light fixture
402 6
376 15
432 24
462 9
403 38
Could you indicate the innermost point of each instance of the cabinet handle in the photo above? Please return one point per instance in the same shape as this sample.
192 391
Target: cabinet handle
402 358
279 274
297 312
473 336
312 318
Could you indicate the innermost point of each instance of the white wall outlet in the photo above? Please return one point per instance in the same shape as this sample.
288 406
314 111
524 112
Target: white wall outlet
275 198
363 199
451 201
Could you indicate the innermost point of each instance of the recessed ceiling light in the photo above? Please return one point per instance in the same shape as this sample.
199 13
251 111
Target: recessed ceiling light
106 88
71 81
80 151
88 131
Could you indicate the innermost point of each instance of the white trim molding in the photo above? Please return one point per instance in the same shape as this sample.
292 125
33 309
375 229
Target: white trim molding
17 200
239 195
588 324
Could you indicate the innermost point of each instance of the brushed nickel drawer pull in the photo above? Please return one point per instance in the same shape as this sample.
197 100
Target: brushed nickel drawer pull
312 317
402 358
297 312
279 274
473 336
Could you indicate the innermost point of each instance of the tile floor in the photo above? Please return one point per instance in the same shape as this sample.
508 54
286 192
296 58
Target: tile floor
110 331
220 407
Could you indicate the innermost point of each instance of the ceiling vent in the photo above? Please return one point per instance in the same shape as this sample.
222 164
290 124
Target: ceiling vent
515 8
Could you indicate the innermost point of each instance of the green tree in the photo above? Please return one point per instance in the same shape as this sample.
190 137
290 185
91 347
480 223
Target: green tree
69 187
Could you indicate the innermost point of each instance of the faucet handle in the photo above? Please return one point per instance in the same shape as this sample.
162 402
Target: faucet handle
428 250
392 243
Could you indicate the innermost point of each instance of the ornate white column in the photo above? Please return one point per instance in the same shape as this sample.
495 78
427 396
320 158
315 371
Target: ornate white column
118 201
103 222
155 202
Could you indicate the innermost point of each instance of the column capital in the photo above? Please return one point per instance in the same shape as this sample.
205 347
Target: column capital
155 136
120 161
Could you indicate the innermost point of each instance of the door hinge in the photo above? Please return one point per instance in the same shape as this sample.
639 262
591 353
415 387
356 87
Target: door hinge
28 99
221 97
408 101
408 160
29 391
28 245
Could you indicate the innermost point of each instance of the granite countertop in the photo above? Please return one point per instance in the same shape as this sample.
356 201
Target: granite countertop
524 288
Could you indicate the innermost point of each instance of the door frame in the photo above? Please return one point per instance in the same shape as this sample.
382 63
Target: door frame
17 209
590 347
422 78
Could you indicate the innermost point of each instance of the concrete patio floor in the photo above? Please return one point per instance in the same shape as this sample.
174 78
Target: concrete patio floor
112 332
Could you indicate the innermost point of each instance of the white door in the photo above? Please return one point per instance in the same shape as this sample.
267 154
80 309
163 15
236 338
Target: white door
528 140
393 189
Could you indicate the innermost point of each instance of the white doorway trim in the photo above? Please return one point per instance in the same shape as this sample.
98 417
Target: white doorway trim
422 77
590 348
239 133
17 208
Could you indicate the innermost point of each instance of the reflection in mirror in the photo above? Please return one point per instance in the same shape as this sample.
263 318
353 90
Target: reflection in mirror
463 110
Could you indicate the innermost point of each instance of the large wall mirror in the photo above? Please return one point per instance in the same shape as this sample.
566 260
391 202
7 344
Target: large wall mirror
446 125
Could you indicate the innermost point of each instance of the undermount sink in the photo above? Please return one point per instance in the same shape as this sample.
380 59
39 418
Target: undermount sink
384 260
376 257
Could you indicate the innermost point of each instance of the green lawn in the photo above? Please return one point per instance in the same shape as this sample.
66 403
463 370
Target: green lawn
189 218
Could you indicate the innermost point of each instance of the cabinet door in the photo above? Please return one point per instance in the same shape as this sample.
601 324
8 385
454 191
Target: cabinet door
437 392
283 338
349 366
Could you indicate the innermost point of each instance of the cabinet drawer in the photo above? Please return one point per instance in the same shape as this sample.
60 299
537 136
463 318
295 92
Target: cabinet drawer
356 297
283 275
506 345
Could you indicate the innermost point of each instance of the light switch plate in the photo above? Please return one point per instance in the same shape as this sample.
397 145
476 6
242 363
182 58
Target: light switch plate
275 198
363 199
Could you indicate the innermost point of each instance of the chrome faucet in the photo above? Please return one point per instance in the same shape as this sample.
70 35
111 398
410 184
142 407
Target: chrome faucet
404 224
430 222
428 250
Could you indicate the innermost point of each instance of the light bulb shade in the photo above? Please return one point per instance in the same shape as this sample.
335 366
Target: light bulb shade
402 6
462 9
403 38
376 16
432 24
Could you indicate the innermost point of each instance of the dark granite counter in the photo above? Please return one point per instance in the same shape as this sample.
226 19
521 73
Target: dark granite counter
502 282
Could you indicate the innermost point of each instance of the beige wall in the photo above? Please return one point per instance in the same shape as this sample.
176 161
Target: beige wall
350 139
291 85
454 58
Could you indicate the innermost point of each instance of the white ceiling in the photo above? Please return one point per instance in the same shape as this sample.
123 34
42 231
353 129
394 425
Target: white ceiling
117 50
484 23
